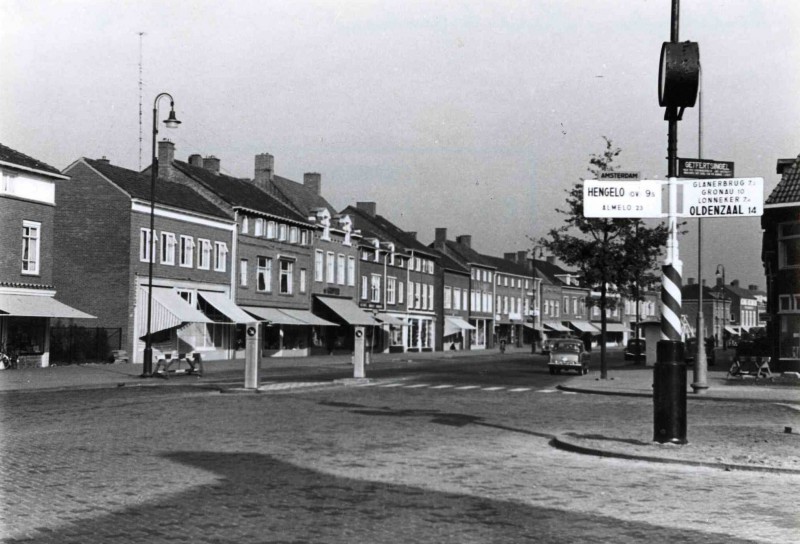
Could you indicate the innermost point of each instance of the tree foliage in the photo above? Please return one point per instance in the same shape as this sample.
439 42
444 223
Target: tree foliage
614 256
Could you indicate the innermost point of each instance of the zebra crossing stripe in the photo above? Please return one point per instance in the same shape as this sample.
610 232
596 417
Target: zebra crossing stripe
418 385
392 385
465 387
520 389
492 388
442 387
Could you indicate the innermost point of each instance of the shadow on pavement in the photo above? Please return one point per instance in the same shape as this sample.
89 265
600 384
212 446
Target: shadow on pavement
259 498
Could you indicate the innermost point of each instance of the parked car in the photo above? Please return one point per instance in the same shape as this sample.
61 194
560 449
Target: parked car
568 354
552 338
631 347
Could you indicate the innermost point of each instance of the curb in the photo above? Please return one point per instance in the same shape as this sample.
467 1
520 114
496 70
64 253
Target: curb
689 395
563 442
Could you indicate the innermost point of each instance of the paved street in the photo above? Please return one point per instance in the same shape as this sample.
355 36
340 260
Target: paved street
403 459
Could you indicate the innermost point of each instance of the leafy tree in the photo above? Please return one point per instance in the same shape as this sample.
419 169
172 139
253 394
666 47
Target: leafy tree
612 255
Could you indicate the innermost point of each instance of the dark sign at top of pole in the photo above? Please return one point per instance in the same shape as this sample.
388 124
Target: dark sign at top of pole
704 169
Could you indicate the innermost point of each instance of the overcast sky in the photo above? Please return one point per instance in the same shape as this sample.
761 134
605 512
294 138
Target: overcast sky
474 116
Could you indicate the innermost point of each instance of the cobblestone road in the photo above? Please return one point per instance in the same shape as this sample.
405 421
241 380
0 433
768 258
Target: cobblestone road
359 464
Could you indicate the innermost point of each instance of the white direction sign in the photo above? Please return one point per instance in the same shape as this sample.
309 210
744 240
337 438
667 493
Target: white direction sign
622 199
724 197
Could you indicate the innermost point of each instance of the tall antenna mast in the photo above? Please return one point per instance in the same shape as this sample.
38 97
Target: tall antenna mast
140 100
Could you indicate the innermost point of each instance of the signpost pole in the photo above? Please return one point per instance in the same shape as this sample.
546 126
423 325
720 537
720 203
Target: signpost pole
700 382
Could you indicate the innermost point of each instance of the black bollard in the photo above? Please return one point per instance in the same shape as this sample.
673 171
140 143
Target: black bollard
669 393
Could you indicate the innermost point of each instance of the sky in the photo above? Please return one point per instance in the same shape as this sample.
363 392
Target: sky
475 116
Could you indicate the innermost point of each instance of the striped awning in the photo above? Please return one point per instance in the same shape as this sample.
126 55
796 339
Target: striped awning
348 311
169 310
24 305
454 325
226 307
555 326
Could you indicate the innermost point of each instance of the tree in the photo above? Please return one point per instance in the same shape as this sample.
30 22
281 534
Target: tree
609 253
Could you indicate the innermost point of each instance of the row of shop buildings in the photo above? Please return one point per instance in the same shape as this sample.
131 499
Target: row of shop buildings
226 251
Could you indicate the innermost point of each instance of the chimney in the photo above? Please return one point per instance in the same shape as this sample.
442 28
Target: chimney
211 163
196 160
441 237
522 257
313 181
735 283
412 233
719 282
510 257
752 287
166 154
690 281
264 170
104 160
465 240
551 259
370 208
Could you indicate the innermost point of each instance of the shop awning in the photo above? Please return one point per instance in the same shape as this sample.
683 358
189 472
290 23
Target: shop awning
530 326
169 310
307 317
731 330
38 306
347 310
452 325
393 320
226 306
616 327
585 326
273 315
555 326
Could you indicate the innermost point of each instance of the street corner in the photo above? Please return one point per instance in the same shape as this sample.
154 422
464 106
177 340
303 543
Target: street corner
621 445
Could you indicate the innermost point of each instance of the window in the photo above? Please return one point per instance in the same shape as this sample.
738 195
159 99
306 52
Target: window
168 243
264 275
319 266
498 280
505 305
244 225
464 299
417 295
375 288
187 251
302 280
340 270
287 268
789 245
489 277
30 233
31 242
330 277
447 296
282 232
400 294
575 306
271 229
391 290
364 288
204 254
351 271
293 235
499 301
186 295
456 298
243 272
566 305
430 297
220 256
505 281
259 228
304 237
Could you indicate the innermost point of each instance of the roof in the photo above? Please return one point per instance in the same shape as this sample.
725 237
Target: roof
467 255
301 198
21 159
551 271
740 292
690 292
377 226
445 261
137 185
788 188
240 192
508 267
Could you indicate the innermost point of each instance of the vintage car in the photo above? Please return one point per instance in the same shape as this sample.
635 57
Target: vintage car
552 339
568 354
635 345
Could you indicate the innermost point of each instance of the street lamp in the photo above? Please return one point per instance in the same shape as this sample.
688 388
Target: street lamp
171 122
537 299
724 306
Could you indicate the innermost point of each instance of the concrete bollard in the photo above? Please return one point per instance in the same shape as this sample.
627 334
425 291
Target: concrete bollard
669 393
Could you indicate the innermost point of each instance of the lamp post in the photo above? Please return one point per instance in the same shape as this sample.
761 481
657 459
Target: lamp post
171 122
724 306
537 299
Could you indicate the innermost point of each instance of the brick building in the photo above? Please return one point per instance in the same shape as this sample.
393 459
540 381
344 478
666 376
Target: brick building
104 247
28 284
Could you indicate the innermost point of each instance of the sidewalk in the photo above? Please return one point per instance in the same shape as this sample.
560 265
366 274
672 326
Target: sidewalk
763 434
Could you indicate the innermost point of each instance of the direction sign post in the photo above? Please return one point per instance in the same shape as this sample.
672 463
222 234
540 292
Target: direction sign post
726 197
622 199
703 168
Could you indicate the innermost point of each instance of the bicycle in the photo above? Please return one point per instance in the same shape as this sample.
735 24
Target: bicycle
8 359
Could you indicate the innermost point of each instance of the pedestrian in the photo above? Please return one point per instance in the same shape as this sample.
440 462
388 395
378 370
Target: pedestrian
503 345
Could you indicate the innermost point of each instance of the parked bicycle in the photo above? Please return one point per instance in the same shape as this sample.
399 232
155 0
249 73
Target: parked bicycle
8 358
